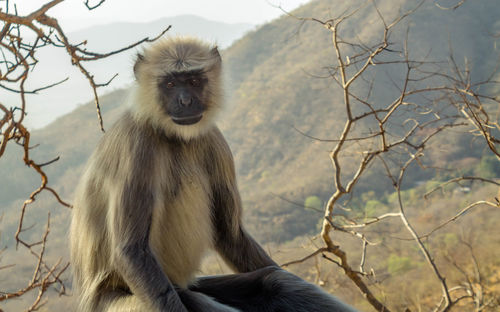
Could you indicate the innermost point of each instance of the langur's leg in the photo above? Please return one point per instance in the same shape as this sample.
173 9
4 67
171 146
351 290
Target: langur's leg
269 289
116 301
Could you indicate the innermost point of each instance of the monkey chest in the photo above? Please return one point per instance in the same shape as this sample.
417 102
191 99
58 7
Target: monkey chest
182 228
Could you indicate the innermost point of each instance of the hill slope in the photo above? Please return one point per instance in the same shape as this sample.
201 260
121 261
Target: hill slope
272 87
273 84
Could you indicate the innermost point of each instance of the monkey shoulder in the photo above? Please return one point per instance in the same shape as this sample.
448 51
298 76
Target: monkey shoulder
218 158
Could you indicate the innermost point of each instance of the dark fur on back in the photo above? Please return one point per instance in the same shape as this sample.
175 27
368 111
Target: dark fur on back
269 289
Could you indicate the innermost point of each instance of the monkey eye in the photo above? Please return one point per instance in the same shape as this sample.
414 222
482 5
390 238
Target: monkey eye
195 82
170 84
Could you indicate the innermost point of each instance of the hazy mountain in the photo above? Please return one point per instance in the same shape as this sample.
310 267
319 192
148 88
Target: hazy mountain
273 79
272 86
56 65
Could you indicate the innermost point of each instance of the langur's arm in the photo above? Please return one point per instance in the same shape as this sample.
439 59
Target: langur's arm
129 223
232 241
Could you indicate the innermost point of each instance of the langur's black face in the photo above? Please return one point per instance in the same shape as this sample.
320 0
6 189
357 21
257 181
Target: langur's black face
181 96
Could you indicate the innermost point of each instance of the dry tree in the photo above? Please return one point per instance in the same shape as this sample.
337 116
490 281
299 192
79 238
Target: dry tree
428 103
21 38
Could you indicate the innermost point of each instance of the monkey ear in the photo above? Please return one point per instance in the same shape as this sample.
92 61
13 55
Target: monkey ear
139 60
215 53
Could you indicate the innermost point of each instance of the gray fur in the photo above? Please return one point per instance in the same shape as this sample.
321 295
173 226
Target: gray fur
196 301
155 196
269 289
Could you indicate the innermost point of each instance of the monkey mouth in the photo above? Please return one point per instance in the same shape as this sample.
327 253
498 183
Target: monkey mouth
187 120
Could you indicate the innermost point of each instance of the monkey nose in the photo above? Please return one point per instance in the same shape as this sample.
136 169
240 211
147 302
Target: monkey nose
185 99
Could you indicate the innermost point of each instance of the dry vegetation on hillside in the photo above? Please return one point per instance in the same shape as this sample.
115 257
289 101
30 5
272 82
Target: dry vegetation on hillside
366 138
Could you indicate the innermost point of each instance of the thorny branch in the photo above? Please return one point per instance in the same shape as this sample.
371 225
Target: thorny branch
43 276
382 142
456 6
18 56
458 180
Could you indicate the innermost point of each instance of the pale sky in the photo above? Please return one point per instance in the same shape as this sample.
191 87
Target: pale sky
73 15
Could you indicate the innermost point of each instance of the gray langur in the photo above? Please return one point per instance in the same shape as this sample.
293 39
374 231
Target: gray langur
160 190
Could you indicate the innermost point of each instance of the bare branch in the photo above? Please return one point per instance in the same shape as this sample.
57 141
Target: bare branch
456 6
457 180
18 57
91 7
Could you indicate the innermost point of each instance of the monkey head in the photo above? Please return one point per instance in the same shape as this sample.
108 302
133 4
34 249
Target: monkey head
178 86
